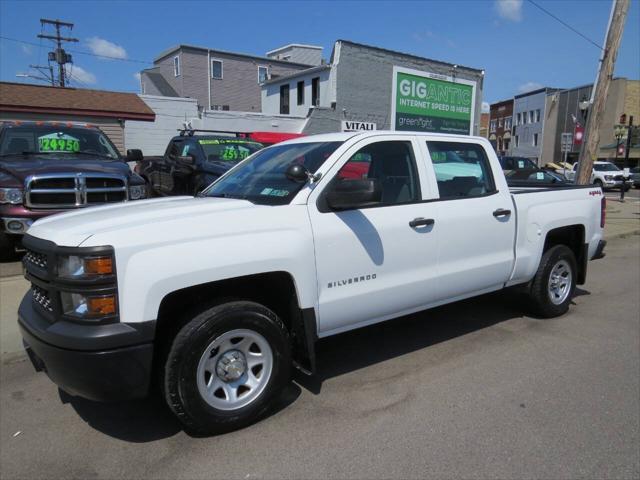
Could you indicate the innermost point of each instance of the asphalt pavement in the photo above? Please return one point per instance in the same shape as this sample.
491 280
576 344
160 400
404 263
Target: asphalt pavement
477 389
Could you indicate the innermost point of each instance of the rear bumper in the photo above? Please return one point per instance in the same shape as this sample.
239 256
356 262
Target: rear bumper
599 253
91 371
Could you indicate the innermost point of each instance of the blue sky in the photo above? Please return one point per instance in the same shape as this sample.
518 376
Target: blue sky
517 44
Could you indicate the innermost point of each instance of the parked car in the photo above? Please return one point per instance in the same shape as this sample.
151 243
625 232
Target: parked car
510 164
533 177
635 176
192 162
218 296
46 168
605 175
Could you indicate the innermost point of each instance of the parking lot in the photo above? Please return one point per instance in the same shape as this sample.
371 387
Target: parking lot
473 390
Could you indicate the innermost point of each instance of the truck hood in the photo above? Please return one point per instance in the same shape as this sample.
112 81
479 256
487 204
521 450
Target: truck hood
141 219
21 167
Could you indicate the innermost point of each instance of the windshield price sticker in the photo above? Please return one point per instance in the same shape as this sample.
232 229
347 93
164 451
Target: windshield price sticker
58 143
225 142
274 192
234 153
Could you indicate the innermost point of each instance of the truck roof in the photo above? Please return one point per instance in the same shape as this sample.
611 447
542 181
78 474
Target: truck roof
344 136
49 123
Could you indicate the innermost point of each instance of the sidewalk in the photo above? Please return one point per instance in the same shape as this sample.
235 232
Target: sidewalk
623 219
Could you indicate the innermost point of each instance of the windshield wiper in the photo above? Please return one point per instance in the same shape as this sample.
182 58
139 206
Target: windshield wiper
19 153
229 195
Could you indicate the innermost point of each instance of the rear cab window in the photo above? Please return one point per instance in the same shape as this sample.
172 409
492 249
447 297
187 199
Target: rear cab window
462 170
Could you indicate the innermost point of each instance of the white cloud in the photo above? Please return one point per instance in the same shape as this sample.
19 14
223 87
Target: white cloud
137 76
100 46
509 9
81 75
485 107
529 87
26 49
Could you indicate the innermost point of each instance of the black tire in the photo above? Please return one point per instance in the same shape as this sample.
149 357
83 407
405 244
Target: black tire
181 367
539 291
7 247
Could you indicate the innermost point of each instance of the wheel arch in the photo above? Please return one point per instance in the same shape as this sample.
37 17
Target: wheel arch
572 236
275 290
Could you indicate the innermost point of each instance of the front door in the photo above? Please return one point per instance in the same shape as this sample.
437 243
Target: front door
379 260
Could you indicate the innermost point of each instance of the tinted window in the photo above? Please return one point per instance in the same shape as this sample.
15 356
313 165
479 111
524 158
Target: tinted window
227 150
392 164
462 169
605 167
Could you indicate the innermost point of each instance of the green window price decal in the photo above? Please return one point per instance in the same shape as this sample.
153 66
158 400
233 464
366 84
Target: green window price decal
58 143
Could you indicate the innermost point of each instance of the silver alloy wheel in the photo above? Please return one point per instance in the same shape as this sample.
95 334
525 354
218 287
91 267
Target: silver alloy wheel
560 280
234 369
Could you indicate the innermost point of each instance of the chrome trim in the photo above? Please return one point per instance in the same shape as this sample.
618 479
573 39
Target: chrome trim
80 189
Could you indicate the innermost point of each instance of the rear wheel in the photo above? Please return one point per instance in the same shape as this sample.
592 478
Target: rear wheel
226 366
553 286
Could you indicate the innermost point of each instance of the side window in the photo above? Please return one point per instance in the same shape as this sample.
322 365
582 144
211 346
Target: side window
392 164
462 169
174 149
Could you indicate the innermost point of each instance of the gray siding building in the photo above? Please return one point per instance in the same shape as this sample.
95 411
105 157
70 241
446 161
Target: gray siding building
528 123
367 84
217 79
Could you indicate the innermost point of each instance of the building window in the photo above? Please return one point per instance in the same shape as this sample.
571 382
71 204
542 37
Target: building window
315 91
518 119
492 126
263 74
537 115
300 92
535 139
284 99
500 124
507 123
176 66
516 140
531 116
216 69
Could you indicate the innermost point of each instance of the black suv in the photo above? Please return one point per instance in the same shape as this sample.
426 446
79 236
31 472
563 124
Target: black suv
192 162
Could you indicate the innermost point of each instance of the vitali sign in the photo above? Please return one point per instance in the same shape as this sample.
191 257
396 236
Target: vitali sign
432 103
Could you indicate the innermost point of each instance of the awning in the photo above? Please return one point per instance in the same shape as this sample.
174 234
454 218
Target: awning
273 137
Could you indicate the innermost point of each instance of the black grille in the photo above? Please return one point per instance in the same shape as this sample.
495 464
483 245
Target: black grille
75 190
35 258
41 297
619 177
53 183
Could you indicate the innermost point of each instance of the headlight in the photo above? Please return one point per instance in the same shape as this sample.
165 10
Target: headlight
11 195
608 178
136 192
88 306
76 267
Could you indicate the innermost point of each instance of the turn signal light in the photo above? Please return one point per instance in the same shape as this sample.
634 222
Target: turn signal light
98 266
101 305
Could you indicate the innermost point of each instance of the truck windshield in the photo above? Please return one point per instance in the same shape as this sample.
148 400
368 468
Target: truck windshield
55 140
605 167
261 179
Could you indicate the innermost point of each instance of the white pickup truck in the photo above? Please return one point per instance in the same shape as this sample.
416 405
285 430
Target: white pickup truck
215 298
604 175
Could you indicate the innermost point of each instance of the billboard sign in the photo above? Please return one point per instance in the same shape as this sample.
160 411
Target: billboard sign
427 102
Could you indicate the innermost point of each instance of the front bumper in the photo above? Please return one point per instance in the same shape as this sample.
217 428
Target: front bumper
99 362
12 215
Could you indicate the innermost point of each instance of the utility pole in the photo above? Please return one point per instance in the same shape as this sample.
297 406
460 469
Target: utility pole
607 62
59 56
47 72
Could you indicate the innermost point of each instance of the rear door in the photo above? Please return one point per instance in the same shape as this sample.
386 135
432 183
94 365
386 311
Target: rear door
475 219
377 261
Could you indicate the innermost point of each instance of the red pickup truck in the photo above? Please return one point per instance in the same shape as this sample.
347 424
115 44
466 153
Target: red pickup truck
50 167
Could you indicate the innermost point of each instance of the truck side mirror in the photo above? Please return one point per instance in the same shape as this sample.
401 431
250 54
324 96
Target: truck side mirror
134 155
297 172
186 160
351 194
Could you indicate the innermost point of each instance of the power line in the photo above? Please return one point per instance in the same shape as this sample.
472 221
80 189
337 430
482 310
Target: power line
80 52
565 24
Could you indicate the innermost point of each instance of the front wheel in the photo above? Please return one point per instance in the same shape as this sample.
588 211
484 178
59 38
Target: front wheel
553 286
226 366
